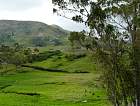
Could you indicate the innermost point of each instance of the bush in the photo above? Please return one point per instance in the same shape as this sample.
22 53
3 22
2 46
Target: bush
45 55
71 57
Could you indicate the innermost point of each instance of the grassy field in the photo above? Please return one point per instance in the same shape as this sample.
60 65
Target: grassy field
40 88
81 64
31 87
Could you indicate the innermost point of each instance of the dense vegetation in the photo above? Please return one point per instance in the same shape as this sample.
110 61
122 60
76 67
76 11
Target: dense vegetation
49 75
79 84
114 36
102 65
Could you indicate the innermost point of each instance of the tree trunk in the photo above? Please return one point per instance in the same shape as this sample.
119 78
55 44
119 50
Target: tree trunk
137 65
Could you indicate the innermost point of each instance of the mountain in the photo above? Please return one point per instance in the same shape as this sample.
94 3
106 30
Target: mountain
31 33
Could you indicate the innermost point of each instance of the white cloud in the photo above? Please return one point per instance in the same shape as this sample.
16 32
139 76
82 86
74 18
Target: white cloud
34 10
18 5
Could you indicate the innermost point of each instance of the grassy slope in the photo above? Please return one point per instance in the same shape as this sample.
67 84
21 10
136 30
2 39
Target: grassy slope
78 65
84 64
55 89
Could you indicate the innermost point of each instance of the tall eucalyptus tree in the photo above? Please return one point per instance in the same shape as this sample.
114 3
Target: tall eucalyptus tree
115 23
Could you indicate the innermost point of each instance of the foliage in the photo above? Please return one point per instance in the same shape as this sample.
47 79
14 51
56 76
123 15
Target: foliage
76 38
56 42
16 55
39 41
45 55
115 24
71 57
18 58
6 37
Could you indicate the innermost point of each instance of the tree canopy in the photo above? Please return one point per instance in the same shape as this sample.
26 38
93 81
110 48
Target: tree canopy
114 26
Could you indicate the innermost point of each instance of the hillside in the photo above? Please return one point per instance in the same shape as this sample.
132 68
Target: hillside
31 33
79 84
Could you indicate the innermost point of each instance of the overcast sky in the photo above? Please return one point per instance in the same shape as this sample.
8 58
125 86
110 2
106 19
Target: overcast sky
34 10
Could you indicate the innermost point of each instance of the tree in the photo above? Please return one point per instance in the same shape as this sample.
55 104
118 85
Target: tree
18 58
16 55
76 38
106 18
4 56
39 41
6 37
28 53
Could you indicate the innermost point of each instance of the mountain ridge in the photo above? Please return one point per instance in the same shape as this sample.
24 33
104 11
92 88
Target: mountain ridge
25 31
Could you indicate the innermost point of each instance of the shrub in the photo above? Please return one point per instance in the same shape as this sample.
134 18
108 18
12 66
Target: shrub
71 57
45 55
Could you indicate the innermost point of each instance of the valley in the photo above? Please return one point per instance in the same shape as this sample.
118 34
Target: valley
56 75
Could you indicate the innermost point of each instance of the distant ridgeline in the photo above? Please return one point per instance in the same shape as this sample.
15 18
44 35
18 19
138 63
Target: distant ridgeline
31 33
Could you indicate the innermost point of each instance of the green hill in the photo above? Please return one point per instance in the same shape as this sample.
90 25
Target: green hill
31 33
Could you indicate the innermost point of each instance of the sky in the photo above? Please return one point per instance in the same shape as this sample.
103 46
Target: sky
35 10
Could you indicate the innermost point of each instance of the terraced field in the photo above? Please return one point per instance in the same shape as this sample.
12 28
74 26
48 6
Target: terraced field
29 87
